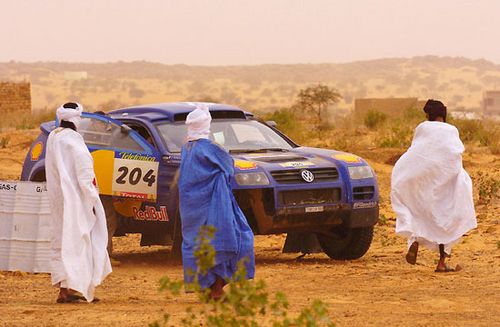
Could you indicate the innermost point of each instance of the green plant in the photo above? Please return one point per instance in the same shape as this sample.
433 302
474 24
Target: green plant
246 303
315 100
373 119
398 136
287 121
382 219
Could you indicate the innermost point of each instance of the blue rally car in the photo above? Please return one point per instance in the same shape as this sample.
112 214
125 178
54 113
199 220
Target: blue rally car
281 187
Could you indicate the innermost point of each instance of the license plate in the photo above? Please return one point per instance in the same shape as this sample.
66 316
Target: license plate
315 209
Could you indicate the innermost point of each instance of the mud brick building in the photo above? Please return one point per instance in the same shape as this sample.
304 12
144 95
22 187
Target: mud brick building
491 103
15 97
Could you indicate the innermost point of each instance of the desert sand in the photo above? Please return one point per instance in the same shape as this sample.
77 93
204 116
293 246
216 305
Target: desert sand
380 289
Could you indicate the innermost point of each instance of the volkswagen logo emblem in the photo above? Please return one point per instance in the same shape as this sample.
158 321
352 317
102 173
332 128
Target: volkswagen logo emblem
307 176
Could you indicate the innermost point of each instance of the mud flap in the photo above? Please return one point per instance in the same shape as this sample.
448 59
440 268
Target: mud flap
176 252
301 242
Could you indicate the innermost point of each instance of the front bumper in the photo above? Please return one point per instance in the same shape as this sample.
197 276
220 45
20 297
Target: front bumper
264 218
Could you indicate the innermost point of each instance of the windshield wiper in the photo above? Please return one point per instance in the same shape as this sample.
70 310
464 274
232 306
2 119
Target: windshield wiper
257 150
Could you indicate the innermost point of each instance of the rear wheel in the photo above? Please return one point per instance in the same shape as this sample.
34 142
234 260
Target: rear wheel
342 243
39 177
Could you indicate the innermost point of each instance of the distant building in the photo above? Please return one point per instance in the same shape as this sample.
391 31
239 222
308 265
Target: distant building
75 75
465 114
388 106
15 97
491 103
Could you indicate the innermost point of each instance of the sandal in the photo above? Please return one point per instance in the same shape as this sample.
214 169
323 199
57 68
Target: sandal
411 256
72 298
448 269
75 298
445 270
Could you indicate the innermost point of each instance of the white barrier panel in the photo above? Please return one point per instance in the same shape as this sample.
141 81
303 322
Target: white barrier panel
24 227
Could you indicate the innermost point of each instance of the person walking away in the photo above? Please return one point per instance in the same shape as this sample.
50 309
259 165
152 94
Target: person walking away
431 192
206 199
79 259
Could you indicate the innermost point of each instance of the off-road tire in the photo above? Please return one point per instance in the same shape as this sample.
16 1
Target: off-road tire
346 243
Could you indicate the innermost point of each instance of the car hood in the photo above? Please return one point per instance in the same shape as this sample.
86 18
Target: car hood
293 159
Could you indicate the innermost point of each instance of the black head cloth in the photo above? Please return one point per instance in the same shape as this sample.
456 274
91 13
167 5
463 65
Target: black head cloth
70 105
435 108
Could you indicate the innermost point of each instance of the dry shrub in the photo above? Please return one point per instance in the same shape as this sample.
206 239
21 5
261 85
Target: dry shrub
22 121
374 119
488 187
4 141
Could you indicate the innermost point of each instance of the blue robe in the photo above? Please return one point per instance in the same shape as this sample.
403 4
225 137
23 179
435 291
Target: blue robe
206 198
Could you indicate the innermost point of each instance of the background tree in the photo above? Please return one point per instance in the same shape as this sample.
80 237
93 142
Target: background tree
316 99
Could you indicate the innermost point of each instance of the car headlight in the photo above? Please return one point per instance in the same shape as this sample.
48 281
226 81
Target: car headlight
247 179
360 172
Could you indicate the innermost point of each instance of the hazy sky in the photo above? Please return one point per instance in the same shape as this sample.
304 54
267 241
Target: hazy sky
226 32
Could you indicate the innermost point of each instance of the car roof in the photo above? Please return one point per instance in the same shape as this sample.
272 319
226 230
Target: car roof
177 111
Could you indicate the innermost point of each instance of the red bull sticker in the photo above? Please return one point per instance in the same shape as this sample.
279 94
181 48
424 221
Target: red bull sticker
151 214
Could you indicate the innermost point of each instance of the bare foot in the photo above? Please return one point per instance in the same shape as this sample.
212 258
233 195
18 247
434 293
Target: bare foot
443 267
216 290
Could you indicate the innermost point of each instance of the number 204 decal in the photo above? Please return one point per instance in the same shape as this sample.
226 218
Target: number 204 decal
135 178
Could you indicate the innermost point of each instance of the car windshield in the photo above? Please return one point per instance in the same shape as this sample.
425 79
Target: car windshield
235 135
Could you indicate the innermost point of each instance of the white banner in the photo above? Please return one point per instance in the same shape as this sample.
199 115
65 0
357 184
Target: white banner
24 226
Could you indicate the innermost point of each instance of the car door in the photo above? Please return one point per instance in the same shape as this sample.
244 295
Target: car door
125 164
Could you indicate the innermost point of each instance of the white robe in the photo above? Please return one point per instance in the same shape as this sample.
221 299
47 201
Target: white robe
79 258
431 192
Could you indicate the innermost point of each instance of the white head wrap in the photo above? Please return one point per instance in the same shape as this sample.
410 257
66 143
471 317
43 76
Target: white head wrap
70 114
198 123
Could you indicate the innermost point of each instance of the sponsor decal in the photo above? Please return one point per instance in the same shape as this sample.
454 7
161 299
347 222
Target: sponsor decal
133 195
135 156
137 178
244 164
36 151
363 205
8 187
347 157
295 164
151 214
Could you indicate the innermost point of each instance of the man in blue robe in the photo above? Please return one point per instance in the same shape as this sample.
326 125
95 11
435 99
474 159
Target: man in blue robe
206 199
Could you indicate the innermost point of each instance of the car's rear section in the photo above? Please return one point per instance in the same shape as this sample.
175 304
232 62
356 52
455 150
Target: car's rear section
34 162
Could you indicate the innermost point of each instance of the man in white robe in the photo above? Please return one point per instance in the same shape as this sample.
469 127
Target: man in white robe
431 192
79 259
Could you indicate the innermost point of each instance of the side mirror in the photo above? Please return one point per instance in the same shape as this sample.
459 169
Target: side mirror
125 129
271 123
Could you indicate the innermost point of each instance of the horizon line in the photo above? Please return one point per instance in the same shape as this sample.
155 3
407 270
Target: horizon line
249 65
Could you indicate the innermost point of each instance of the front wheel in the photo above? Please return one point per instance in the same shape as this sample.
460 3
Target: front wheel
342 243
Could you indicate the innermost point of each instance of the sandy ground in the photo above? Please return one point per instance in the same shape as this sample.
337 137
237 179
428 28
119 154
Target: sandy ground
379 289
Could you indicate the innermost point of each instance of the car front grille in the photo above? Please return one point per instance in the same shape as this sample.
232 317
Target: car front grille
293 176
302 197
363 192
